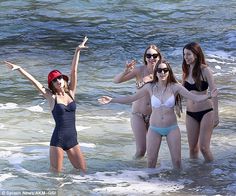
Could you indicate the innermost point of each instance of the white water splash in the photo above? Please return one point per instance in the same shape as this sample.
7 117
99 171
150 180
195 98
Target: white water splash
128 182
36 108
8 106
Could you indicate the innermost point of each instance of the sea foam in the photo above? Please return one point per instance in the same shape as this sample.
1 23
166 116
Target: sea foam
134 182
36 108
8 106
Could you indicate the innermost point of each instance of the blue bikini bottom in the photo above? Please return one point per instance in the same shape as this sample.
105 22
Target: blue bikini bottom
163 131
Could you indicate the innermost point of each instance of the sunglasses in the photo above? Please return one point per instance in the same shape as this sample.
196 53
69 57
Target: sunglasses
165 70
57 78
152 55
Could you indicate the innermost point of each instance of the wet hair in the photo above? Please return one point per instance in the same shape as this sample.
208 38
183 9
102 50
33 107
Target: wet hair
53 89
154 47
200 60
170 79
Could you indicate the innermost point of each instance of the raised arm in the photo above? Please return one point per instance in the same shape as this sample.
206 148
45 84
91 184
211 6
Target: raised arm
74 66
178 88
129 73
125 99
46 93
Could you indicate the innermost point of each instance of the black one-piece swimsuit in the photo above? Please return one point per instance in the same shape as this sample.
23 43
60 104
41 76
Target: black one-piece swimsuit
64 134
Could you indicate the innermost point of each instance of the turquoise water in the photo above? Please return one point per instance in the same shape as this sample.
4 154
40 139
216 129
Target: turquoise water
42 35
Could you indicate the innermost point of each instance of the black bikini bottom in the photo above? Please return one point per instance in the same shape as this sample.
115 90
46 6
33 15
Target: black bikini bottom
199 115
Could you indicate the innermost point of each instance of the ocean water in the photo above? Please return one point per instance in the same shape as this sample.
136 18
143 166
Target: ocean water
42 35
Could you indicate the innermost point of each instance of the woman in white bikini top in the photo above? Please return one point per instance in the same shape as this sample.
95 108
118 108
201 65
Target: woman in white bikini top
169 103
163 122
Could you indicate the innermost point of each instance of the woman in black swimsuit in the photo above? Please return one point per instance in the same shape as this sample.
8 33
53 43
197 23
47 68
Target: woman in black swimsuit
60 96
141 109
201 117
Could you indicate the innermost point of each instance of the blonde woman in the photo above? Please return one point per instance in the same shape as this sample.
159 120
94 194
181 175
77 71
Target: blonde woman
60 95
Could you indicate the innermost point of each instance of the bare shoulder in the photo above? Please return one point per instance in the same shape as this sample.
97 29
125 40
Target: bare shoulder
206 71
48 92
203 66
175 87
72 93
149 86
139 69
49 95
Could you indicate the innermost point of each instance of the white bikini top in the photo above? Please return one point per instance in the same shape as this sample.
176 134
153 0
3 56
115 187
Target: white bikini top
156 103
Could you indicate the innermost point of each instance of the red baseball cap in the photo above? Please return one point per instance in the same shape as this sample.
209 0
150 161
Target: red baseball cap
54 74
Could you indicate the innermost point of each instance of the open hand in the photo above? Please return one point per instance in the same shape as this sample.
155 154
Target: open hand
104 100
130 66
11 65
82 45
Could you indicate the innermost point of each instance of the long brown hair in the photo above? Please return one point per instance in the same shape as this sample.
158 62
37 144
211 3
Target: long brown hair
154 47
170 79
200 60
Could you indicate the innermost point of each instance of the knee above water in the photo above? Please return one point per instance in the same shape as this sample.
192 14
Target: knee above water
204 149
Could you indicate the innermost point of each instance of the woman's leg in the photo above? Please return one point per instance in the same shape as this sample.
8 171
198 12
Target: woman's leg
76 158
192 127
139 129
206 129
153 146
56 158
174 143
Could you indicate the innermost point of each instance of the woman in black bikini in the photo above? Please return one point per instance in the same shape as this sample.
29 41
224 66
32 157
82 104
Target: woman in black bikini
201 117
141 109
163 92
60 96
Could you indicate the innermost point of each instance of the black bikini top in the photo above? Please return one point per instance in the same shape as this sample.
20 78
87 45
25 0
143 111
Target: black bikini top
193 87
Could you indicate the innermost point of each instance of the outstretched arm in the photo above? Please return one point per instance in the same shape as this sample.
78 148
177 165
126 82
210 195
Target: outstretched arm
46 93
125 99
198 98
74 66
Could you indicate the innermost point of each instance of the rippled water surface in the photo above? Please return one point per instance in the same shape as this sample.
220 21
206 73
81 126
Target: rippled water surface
42 35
